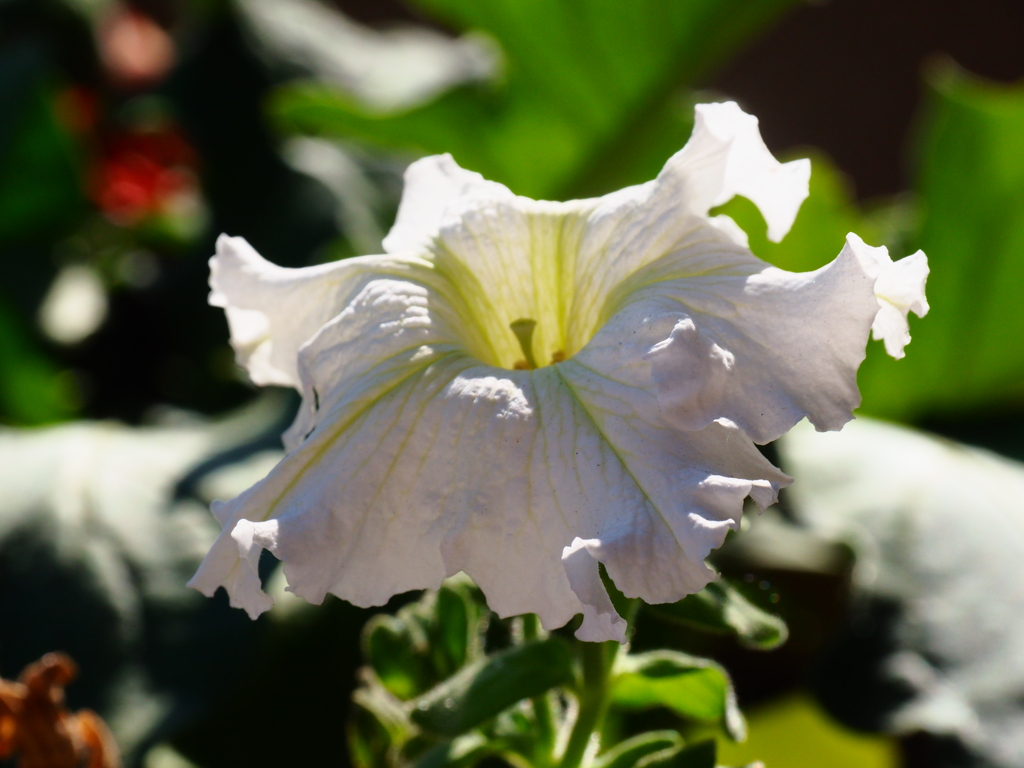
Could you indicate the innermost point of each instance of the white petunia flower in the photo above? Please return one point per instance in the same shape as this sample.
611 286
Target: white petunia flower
521 390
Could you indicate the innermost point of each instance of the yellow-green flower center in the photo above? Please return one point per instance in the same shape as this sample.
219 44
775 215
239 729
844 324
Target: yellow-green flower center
514 273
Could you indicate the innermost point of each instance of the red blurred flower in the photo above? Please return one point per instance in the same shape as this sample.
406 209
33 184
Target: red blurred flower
142 173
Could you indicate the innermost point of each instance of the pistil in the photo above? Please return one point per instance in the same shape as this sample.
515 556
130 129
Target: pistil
523 329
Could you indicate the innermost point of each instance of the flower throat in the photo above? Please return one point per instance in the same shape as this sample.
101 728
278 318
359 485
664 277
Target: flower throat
523 328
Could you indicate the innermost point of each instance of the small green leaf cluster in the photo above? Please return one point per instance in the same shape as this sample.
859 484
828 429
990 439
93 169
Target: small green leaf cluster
449 685
720 608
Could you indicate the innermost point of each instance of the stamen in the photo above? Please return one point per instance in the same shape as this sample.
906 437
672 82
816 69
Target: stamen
523 329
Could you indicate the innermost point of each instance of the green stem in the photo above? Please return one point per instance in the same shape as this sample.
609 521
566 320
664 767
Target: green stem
541 704
597 663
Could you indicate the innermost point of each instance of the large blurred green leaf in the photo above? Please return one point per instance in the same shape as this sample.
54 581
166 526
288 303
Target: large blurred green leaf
587 101
32 389
40 177
40 195
970 209
794 732
968 351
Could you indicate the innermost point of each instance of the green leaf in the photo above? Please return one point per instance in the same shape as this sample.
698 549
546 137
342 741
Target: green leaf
483 689
458 619
461 752
582 81
700 755
694 688
426 641
721 608
369 742
40 175
396 650
378 724
967 351
626 754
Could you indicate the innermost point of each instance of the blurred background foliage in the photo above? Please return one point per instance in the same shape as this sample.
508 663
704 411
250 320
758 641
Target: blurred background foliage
131 134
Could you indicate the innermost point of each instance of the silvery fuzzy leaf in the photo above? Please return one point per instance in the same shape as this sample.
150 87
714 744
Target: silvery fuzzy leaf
385 70
938 530
100 526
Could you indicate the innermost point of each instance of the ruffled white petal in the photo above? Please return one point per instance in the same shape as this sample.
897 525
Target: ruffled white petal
243 581
432 185
684 491
267 328
601 621
627 230
899 287
733 230
373 504
730 337
726 157
387 324
753 344
272 311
